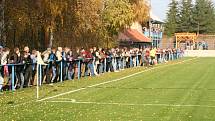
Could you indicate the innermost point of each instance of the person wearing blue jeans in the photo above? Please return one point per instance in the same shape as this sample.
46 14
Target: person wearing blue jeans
54 74
70 71
119 63
114 64
90 66
89 63
109 66
101 68
52 64
70 65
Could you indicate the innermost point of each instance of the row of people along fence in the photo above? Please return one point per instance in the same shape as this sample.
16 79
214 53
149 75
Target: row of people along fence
87 63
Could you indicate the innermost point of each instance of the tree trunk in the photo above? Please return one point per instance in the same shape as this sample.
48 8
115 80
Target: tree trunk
2 23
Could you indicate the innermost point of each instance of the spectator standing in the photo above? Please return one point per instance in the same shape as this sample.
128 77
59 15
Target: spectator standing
4 61
114 61
28 67
52 66
109 66
153 55
77 58
70 65
96 58
127 58
34 67
147 57
84 61
45 56
19 69
90 65
101 60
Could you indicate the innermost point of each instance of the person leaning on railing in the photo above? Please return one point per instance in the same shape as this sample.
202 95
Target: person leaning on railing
5 71
52 66
147 57
89 59
70 65
19 69
109 67
102 61
28 67
87 63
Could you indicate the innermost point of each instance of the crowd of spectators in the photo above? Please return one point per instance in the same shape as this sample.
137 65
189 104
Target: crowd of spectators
74 63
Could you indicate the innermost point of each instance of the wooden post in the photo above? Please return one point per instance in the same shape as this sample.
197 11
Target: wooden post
176 42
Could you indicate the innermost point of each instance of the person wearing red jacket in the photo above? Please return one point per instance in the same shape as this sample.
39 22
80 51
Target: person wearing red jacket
82 56
89 63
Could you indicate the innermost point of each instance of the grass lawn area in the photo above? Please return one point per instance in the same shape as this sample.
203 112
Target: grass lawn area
182 90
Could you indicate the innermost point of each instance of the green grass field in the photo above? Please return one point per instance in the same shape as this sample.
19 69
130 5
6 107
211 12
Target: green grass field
182 90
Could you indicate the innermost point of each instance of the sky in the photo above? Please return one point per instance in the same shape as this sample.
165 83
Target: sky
160 8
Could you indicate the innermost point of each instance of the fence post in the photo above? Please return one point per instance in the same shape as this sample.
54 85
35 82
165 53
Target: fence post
79 69
142 57
137 60
158 58
115 64
94 67
40 68
61 71
123 62
13 78
131 61
105 65
37 80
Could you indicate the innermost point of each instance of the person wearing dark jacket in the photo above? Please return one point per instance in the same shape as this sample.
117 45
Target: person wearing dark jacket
19 69
28 67
53 65
70 64
109 56
76 57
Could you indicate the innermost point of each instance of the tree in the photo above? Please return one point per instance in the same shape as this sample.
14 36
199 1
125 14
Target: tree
185 17
203 15
211 16
141 10
117 14
2 22
68 22
172 21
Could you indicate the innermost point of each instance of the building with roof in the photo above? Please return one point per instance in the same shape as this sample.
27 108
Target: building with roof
155 30
138 36
134 37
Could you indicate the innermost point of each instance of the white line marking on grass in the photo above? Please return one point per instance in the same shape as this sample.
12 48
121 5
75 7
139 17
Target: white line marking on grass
115 80
22 103
131 104
67 99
